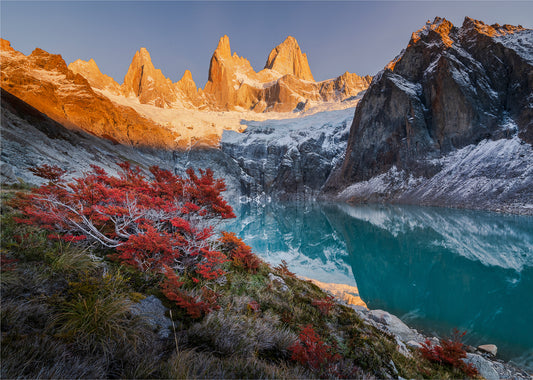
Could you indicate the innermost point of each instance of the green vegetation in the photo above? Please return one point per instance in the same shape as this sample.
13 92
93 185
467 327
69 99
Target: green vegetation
66 312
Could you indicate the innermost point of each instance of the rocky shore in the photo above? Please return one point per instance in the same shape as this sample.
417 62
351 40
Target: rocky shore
483 358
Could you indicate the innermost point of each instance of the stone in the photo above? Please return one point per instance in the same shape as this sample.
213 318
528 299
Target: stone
488 348
151 309
278 281
393 324
414 344
483 366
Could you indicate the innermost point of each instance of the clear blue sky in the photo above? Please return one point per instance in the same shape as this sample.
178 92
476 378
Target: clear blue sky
355 36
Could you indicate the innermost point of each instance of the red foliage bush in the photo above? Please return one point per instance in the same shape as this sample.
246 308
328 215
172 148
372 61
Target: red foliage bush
312 352
240 254
159 225
283 269
449 353
195 307
167 220
324 305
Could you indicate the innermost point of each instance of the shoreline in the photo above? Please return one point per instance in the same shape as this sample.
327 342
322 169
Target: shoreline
489 366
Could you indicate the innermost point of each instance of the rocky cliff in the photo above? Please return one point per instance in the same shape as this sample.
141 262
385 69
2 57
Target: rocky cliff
44 81
448 122
291 158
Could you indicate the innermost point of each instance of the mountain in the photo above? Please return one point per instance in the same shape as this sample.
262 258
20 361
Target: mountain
44 81
447 122
287 58
285 84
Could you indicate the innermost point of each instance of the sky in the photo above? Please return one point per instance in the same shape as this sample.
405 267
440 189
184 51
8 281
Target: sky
337 36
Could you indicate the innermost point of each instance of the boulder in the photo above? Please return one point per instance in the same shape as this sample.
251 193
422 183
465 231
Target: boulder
483 366
151 309
488 348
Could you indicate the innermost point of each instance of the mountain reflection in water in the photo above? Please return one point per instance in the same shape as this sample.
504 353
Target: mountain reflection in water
435 268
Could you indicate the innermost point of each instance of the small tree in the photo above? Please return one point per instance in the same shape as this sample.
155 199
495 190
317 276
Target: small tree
168 220
159 225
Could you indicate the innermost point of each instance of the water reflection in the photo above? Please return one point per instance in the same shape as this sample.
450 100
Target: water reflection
435 268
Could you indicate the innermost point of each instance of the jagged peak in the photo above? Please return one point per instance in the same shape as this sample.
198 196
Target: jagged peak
287 58
223 49
5 45
187 75
493 30
440 26
142 55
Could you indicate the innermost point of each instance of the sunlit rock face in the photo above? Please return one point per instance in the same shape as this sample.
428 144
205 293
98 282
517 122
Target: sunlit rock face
287 58
286 83
44 81
90 71
31 138
430 119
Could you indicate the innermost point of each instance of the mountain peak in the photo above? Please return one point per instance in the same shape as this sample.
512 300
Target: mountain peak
493 30
440 27
5 45
146 82
223 49
90 71
287 58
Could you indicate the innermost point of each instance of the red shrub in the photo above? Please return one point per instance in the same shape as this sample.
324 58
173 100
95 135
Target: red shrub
449 353
325 305
163 224
166 220
253 306
240 254
6 263
283 269
195 307
311 351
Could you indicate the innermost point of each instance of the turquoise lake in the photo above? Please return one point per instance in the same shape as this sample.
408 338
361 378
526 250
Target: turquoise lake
435 268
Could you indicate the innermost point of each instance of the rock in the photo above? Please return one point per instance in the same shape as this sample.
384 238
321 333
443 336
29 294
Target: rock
430 125
483 366
393 324
414 344
278 281
488 348
153 312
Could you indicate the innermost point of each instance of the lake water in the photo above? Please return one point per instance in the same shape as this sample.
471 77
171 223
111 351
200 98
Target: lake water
435 268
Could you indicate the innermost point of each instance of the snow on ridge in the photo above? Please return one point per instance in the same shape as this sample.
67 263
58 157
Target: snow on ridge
521 42
293 130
